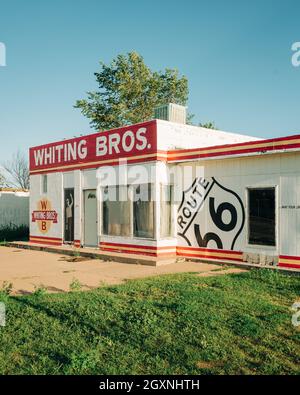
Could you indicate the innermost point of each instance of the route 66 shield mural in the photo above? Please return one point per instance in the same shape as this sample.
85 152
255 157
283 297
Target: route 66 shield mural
210 215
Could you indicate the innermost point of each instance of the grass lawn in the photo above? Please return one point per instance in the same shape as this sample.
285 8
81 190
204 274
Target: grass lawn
173 324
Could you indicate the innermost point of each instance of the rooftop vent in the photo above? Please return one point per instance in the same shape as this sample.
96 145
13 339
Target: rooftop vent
171 112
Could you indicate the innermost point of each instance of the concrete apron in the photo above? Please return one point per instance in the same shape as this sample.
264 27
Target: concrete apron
24 271
138 259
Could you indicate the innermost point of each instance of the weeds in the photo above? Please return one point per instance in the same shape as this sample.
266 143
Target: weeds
75 285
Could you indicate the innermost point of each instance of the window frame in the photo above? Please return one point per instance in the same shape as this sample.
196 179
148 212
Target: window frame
130 192
153 194
44 177
172 232
101 211
276 225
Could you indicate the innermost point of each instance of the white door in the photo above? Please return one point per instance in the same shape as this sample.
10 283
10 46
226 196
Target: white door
90 218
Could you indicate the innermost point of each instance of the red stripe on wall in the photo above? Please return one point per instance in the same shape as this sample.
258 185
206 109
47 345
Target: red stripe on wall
206 253
79 166
217 258
131 249
231 153
125 251
210 250
245 143
46 238
138 246
289 265
46 242
297 258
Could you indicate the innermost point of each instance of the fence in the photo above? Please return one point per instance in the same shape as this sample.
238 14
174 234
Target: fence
14 215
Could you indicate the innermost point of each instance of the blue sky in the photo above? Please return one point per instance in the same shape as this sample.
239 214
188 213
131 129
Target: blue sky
235 53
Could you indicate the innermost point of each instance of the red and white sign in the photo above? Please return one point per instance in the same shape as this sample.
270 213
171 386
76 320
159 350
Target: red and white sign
44 216
134 142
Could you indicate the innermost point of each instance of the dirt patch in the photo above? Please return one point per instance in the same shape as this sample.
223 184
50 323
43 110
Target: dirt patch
74 259
27 269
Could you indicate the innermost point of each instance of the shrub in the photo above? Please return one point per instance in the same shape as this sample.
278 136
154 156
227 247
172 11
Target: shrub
14 233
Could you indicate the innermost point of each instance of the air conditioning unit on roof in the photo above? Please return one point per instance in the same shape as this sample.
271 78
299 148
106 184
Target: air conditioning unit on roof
171 112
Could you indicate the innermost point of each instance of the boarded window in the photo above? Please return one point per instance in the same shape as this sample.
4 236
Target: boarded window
262 216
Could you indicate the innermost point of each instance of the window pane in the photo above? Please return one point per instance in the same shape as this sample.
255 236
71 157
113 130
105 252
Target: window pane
262 216
166 211
143 211
116 211
44 183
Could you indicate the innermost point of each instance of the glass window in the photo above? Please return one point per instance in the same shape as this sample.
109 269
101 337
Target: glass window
143 211
44 183
166 197
262 216
116 211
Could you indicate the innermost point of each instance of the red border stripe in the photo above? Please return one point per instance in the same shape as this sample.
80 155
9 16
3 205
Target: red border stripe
245 143
137 246
125 251
46 238
155 157
207 253
245 148
291 265
218 258
51 241
296 258
134 249
209 250
294 264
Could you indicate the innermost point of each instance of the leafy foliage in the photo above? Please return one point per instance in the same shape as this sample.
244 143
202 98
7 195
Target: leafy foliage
129 92
14 232
208 125
75 285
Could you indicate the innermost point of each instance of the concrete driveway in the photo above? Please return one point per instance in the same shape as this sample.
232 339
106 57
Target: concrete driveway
27 269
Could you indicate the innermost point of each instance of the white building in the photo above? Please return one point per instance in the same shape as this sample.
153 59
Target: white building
214 195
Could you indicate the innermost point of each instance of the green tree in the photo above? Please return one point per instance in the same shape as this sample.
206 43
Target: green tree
208 125
129 91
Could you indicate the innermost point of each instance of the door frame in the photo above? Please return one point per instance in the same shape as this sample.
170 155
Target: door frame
65 217
83 217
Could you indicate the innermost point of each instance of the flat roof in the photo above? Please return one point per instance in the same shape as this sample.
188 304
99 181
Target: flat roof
81 153
268 146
